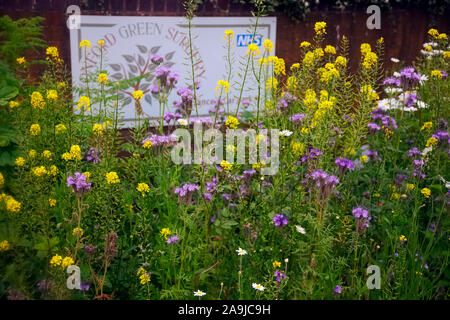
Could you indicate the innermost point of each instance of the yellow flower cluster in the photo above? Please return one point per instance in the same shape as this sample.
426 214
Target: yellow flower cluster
436 74
4 245
59 128
330 49
320 28
328 73
226 165
57 260
276 264
138 95
165 232
32 153
371 94
369 58
279 66
39 171
253 49
13 104
74 154
271 83
97 129
84 103
77 232
143 188
35 129
436 35
232 122
305 44
85 43
325 104
143 275
147 144
47 154
431 142
11 204
426 192
222 84
228 34
446 55
20 161
112 178
427 125
20 60
53 52
37 101
309 58
51 202
310 98
102 78
340 61
291 83
403 238
2 179
52 95
298 148
268 45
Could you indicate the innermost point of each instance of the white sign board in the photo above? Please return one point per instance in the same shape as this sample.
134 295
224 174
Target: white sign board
130 41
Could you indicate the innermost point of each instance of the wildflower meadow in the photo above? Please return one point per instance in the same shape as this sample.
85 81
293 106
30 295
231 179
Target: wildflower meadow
349 199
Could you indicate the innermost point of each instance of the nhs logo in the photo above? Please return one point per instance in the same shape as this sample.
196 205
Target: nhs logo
243 40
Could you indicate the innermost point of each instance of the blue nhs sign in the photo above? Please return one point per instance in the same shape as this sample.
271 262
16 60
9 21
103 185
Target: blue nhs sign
243 40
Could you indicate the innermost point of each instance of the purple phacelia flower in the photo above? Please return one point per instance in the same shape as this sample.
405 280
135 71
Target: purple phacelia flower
280 220
78 183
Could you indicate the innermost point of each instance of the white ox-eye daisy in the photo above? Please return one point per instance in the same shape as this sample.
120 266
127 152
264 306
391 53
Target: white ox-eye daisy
199 293
241 252
285 133
257 286
300 229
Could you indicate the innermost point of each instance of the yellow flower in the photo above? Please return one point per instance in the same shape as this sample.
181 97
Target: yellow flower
268 45
319 28
87 174
97 129
436 74
165 232
2 179
363 159
298 148
330 49
447 55
52 51
32 153
410 186
318 53
279 67
145 278
112 178
433 32
47 154
309 58
295 66
101 42
253 49
20 60
12 205
442 36
66 262
228 34
77 232
52 95
371 94
291 83
426 192
271 83
428 48
365 48
40 171
4 245
56 260
147 144
370 59
84 103
66 156
20 161
276 264
232 122
431 142
226 165
51 202
222 84
35 129
13 104
138 95
59 128
340 61
61 84
75 152
37 101
403 238
304 130
395 196
305 44
102 78
143 188
86 43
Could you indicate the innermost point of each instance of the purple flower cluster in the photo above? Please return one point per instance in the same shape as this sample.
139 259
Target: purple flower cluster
173 239
280 220
78 183
325 182
167 79
156 59
92 156
344 165
211 187
185 105
280 275
389 122
399 179
186 189
158 140
413 152
442 136
392 82
409 77
286 101
298 117
418 167
172 116
363 218
373 155
373 127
